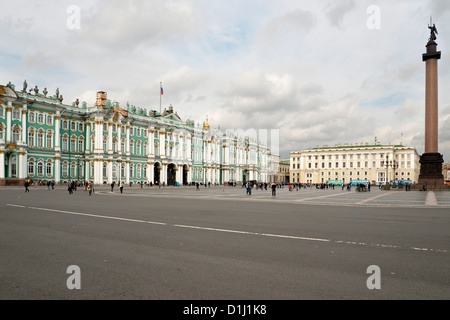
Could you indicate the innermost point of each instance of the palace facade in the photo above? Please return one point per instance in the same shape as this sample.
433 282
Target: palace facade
360 162
43 139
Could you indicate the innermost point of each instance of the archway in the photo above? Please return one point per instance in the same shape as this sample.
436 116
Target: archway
171 175
157 173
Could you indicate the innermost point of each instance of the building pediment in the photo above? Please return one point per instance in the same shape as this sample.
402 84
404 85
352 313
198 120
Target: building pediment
7 92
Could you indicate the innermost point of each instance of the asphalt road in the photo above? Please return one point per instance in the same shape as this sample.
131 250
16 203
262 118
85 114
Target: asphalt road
182 248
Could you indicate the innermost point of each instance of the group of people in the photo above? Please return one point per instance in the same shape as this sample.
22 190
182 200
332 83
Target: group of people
262 186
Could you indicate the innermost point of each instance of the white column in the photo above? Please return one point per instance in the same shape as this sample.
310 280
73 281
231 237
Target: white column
151 142
162 144
8 121
163 175
110 139
119 137
127 172
24 124
2 164
58 130
58 169
87 167
88 146
127 142
150 171
22 165
180 174
110 171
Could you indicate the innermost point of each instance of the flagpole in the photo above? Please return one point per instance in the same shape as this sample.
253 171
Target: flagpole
160 97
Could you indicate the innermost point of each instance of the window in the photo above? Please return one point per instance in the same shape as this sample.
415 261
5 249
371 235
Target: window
131 131
16 135
73 144
31 117
138 172
138 132
131 172
105 171
41 118
105 146
80 145
122 146
1 133
122 171
114 171
138 148
73 126
122 130
105 126
16 114
31 139
73 169
65 124
49 140
114 128
40 140
65 143
31 168
145 149
49 169
49 120
114 146
145 133
40 169
80 127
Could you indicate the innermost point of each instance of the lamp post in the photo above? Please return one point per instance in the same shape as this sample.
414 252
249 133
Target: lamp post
78 157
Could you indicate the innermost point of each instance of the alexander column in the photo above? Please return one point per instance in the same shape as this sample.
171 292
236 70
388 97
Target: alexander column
431 161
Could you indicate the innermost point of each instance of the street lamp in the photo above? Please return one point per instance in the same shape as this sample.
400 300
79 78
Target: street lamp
78 157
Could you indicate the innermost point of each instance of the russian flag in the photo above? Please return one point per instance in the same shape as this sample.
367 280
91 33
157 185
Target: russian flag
162 91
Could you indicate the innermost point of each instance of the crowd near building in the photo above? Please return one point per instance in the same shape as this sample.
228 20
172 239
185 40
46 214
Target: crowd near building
43 139
361 163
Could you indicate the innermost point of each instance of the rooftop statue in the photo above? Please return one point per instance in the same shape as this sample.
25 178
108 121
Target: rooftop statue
25 86
45 91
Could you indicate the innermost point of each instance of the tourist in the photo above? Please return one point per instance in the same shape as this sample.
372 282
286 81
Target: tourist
27 184
121 187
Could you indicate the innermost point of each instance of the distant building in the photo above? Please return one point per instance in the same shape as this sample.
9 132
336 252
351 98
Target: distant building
445 171
282 175
343 164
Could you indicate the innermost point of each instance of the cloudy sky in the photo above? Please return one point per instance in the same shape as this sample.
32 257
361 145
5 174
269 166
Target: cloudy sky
321 72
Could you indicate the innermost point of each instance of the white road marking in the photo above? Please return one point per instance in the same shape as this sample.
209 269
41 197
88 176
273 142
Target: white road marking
431 199
92 215
373 198
226 230
327 196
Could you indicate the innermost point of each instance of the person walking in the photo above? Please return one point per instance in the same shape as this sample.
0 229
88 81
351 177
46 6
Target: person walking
274 189
121 187
90 187
27 184
112 186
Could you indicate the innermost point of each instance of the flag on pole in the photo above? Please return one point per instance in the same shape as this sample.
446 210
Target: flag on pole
162 91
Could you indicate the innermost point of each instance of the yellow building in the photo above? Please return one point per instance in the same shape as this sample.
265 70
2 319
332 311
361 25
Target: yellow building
343 164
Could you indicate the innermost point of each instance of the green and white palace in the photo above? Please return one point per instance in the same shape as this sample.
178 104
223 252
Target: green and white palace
43 139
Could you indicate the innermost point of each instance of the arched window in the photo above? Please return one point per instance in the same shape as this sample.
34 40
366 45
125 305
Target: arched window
2 133
16 135
73 170
145 171
73 144
40 169
49 140
131 171
65 169
40 139
114 145
41 118
105 144
65 143
122 171
145 153
105 171
138 171
31 168
31 138
80 144
138 148
114 171
49 169
122 146
2 114
16 114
